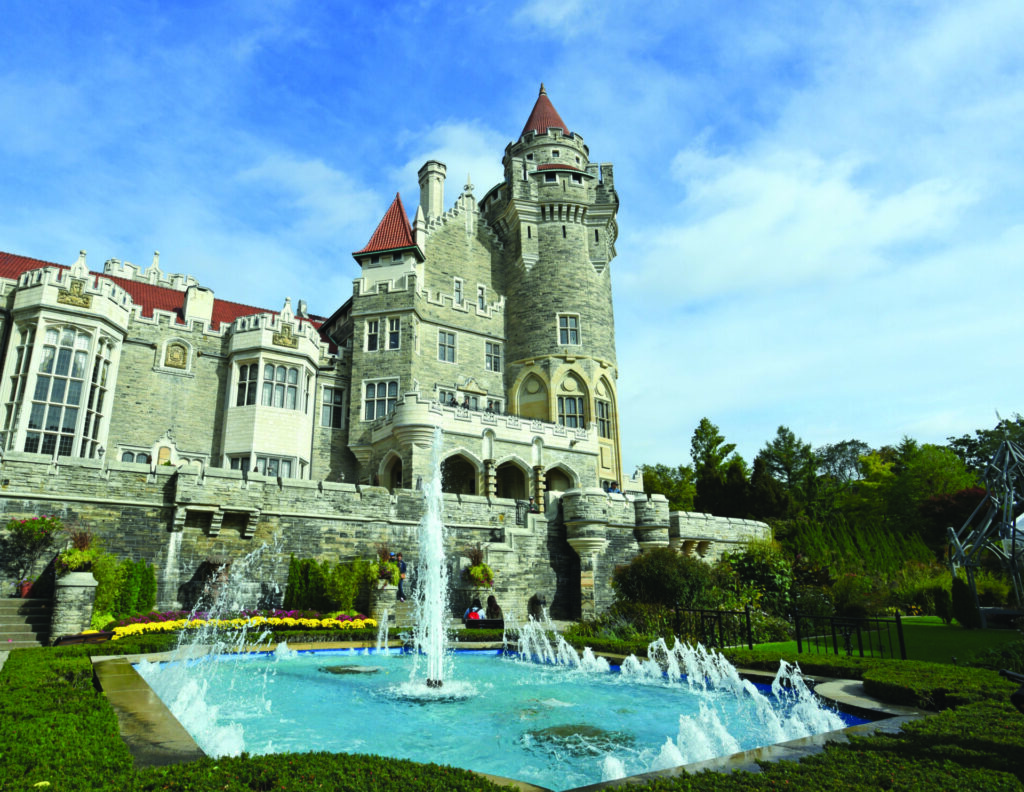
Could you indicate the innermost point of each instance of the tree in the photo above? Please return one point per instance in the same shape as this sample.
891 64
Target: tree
767 499
840 462
712 457
675 483
791 461
976 451
708 449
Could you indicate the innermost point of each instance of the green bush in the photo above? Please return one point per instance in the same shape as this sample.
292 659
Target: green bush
318 586
857 595
26 542
994 590
762 565
664 577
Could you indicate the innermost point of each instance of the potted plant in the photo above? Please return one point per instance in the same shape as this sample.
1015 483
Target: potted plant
386 567
82 553
478 574
25 587
25 542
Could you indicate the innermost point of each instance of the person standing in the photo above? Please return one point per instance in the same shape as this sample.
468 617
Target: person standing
401 577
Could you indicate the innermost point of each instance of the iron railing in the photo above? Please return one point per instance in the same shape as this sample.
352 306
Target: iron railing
863 637
716 629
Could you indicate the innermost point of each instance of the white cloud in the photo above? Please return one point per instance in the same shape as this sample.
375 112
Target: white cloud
465 147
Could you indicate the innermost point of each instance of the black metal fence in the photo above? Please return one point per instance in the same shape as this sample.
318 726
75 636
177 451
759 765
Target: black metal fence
716 629
863 637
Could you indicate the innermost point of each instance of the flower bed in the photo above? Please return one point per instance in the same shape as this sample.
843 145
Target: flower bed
175 621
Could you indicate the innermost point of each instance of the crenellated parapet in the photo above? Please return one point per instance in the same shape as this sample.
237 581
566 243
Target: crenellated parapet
652 521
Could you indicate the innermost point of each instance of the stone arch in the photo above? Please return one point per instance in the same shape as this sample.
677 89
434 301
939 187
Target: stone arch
560 478
531 398
460 473
512 480
390 472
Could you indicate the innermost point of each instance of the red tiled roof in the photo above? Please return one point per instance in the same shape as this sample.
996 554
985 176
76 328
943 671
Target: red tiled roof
146 295
393 232
557 166
544 116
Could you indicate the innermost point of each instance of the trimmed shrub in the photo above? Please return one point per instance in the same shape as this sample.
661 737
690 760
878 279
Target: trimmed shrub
963 605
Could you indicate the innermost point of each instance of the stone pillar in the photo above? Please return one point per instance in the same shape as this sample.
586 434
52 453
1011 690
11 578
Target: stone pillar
538 486
382 599
72 604
490 479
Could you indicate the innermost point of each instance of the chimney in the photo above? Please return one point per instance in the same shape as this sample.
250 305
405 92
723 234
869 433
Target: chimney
431 178
198 304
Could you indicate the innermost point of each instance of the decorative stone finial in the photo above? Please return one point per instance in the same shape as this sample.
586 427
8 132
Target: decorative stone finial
542 89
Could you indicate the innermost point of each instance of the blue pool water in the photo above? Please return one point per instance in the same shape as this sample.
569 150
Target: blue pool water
551 725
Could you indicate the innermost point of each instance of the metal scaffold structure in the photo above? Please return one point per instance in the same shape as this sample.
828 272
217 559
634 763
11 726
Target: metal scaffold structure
992 525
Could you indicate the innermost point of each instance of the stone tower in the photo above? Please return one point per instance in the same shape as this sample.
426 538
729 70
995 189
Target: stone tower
555 215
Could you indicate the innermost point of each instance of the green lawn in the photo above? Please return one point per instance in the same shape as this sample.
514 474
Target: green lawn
928 639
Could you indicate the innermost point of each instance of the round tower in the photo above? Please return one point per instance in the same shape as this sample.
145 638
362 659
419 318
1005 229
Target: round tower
556 216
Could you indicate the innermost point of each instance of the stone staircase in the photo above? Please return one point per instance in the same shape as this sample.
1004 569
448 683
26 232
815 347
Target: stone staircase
24 622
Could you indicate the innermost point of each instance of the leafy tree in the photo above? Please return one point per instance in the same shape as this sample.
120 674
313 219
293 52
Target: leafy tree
711 456
675 483
840 462
792 462
977 450
767 499
708 449
762 565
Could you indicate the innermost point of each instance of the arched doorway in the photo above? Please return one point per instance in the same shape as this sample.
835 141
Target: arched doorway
458 475
557 480
392 477
511 482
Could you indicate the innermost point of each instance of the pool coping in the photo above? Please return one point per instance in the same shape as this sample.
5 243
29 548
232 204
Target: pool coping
154 737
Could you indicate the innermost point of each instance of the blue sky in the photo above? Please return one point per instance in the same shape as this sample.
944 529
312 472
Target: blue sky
821 203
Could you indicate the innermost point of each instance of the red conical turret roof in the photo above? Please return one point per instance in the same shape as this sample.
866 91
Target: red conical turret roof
393 232
544 116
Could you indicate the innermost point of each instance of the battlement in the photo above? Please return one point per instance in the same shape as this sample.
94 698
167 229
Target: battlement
152 275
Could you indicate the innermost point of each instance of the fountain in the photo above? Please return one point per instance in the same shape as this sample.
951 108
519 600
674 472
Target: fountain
431 596
547 715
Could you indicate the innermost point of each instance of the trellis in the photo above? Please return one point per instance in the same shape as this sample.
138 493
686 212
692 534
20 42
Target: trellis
992 525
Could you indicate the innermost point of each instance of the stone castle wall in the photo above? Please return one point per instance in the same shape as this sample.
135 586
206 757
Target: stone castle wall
185 520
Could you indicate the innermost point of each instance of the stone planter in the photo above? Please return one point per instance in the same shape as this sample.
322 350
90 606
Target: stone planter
72 604
382 599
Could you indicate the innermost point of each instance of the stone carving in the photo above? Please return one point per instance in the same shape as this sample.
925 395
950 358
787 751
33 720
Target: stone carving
75 295
176 356
285 338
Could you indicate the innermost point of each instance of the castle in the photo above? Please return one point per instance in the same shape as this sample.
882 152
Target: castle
181 427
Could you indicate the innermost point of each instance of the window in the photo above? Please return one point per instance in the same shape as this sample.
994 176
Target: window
494 406
19 375
393 332
280 386
604 418
447 397
556 153
577 178
380 399
568 329
550 177
138 458
492 356
98 387
458 291
274 466
481 297
372 334
570 411
446 346
248 374
58 392
332 413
